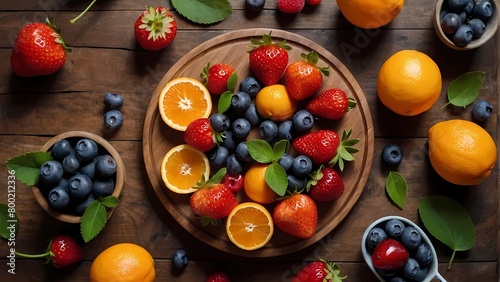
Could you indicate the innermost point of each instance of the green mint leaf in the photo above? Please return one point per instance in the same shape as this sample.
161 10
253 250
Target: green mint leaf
232 82
464 89
448 222
203 11
9 223
276 178
27 166
224 102
217 177
396 188
279 149
110 201
93 220
260 151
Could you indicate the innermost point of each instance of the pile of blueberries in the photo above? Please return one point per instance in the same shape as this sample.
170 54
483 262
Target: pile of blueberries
237 124
465 20
417 266
80 172
113 118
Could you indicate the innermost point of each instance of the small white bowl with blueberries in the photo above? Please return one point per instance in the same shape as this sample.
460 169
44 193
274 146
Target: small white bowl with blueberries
84 168
465 24
396 249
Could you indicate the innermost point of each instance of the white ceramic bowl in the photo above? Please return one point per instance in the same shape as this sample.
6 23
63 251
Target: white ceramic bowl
433 267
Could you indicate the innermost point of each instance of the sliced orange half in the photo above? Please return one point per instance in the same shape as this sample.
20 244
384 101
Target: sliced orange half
183 100
249 226
182 167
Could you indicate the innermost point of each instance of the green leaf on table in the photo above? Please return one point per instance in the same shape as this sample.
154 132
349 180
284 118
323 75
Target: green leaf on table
8 220
203 11
27 166
260 150
464 89
224 102
276 178
448 222
396 188
93 220
110 201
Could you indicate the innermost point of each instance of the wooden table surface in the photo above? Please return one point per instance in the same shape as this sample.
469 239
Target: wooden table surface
106 58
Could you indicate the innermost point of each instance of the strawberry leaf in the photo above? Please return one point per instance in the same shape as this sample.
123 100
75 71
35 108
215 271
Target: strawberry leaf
110 201
276 178
93 220
203 11
8 219
27 166
224 101
345 150
217 177
232 82
260 150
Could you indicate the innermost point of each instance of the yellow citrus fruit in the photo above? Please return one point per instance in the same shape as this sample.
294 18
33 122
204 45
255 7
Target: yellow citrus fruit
183 100
409 83
255 185
273 102
249 226
370 13
183 166
123 262
461 151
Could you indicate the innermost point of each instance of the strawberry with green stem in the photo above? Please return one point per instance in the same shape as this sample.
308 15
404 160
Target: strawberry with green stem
319 271
325 184
332 103
155 28
304 78
219 78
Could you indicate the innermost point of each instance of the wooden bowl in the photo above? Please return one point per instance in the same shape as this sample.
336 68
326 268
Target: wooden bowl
104 147
491 28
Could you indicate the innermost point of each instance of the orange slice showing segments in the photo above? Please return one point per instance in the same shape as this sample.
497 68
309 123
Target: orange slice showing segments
183 100
182 167
249 226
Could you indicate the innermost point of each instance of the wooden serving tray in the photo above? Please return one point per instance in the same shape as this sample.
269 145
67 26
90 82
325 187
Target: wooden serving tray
231 48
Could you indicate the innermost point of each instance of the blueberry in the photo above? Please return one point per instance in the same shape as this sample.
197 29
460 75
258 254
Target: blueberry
113 119
105 166
51 172
411 238
411 268
179 259
285 131
468 8
58 198
421 274
482 110
301 165
477 27
229 141
482 10
218 157
103 187
219 122
70 164
241 128
463 35
268 131
233 165
394 227
423 255
252 115
450 23
303 121
250 85
240 101
88 170
61 149
295 183
86 149
463 17
80 208
392 154
242 153
385 272
285 161
64 183
375 236
113 101
443 13
457 5
80 186
396 279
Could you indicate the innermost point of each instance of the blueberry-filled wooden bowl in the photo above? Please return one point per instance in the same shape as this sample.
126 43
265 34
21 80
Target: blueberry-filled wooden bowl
69 214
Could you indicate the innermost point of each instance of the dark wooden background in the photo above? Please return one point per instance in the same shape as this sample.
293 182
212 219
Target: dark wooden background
106 58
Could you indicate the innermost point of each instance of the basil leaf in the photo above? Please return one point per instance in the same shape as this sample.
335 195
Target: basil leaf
232 82
27 166
203 11
8 219
93 220
396 188
260 150
276 178
279 149
448 222
224 102
464 89
110 201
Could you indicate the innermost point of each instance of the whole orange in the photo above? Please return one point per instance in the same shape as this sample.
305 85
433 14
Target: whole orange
273 102
370 13
255 185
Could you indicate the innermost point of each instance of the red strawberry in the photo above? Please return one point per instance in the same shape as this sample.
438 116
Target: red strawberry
390 254
268 60
200 135
233 182
155 28
326 185
313 2
218 277
296 215
291 6
304 78
218 78
331 104
319 271
38 50
213 201
62 251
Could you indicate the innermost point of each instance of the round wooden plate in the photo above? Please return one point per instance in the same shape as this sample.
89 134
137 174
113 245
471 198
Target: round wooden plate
231 48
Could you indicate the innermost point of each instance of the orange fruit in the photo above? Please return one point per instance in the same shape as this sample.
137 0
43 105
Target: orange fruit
183 100
255 185
370 13
273 102
461 152
123 262
182 167
409 83
249 226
